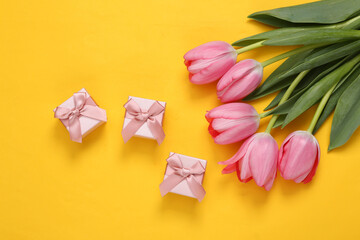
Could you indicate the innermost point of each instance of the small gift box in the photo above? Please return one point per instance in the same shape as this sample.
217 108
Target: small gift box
184 175
143 118
80 115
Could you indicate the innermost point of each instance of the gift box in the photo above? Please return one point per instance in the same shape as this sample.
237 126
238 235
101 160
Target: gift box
144 118
184 175
80 115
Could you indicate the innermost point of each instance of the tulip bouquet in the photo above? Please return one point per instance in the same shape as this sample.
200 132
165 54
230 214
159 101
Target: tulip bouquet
324 69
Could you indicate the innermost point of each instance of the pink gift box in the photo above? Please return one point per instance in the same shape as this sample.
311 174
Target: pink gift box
87 124
183 187
144 104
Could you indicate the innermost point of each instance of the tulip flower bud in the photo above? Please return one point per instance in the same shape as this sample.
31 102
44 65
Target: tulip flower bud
256 159
210 61
232 122
299 157
240 80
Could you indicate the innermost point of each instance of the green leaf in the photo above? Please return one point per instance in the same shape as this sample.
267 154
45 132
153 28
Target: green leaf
340 88
347 115
279 121
267 35
274 82
276 100
309 80
314 36
324 55
315 93
283 75
321 12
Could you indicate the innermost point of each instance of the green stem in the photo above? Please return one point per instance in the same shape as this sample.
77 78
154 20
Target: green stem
293 86
262 115
271 123
286 97
352 23
345 68
320 108
289 54
250 47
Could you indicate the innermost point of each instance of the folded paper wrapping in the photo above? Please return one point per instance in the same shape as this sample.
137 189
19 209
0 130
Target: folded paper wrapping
144 104
87 124
183 187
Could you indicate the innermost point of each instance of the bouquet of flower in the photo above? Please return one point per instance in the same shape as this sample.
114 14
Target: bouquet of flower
324 70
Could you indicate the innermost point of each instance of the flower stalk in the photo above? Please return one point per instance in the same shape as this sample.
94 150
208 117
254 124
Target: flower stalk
286 96
250 47
319 109
289 54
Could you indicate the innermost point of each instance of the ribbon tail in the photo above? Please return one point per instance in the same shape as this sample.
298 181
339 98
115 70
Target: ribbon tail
94 112
196 188
169 183
131 129
156 130
75 130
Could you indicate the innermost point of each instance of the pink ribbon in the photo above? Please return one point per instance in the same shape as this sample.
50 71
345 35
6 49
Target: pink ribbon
180 173
139 117
82 107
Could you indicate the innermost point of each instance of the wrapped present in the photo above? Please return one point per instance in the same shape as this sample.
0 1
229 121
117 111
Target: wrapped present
143 118
184 175
80 115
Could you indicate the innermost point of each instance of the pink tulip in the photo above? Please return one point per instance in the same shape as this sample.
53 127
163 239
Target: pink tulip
240 80
232 122
256 159
299 156
208 62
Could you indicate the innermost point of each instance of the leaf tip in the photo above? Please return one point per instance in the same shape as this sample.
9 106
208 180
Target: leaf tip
286 122
255 14
251 15
268 107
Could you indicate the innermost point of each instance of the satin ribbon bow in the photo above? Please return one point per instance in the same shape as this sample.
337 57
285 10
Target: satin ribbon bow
139 117
180 173
83 107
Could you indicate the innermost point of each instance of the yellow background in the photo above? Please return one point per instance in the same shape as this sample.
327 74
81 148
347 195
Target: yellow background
52 188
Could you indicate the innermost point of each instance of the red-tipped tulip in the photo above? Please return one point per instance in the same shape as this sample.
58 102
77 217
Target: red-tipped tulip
232 122
256 159
299 157
210 61
240 80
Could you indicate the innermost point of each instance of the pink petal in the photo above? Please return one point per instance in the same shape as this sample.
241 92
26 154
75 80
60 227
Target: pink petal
223 124
239 70
238 133
245 172
198 65
212 131
313 170
263 156
239 154
268 185
238 169
301 155
232 111
240 88
282 148
214 71
208 50
229 168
